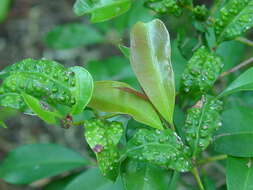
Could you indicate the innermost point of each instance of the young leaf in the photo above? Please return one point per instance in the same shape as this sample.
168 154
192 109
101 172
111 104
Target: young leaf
139 175
201 122
234 19
46 115
92 179
125 50
82 90
239 173
163 148
243 83
201 72
29 163
118 97
150 58
72 35
103 137
101 10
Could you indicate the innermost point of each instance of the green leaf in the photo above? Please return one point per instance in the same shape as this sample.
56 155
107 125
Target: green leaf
163 148
82 90
61 183
35 105
234 19
201 72
243 83
201 122
150 59
236 132
239 173
32 162
101 10
118 97
4 9
48 81
93 179
103 137
12 100
139 175
72 35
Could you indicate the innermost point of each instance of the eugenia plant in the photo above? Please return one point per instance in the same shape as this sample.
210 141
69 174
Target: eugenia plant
153 153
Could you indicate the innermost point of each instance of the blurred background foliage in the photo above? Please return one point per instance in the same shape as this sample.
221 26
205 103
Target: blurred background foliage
49 29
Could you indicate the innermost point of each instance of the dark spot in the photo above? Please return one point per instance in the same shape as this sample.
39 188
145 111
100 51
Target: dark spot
98 148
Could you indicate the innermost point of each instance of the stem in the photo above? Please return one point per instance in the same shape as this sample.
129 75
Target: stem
245 41
212 159
195 173
236 68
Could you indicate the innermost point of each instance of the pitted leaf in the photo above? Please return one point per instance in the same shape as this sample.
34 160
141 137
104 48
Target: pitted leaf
12 100
119 97
150 59
103 137
101 10
201 122
48 81
235 18
201 72
38 108
163 148
165 6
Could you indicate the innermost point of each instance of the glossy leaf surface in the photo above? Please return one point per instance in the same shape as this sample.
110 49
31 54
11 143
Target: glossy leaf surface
150 58
202 120
118 97
101 10
103 137
163 148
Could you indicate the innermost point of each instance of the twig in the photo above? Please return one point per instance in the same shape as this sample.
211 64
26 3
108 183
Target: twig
212 159
195 173
243 64
245 41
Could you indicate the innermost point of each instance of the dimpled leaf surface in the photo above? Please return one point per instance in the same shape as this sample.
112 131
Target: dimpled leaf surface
35 105
12 100
163 148
234 19
201 72
243 83
103 137
202 120
165 6
119 97
150 59
48 81
101 10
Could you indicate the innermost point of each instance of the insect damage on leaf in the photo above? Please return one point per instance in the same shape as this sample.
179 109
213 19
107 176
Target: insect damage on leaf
201 122
163 148
235 18
165 6
201 72
103 137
